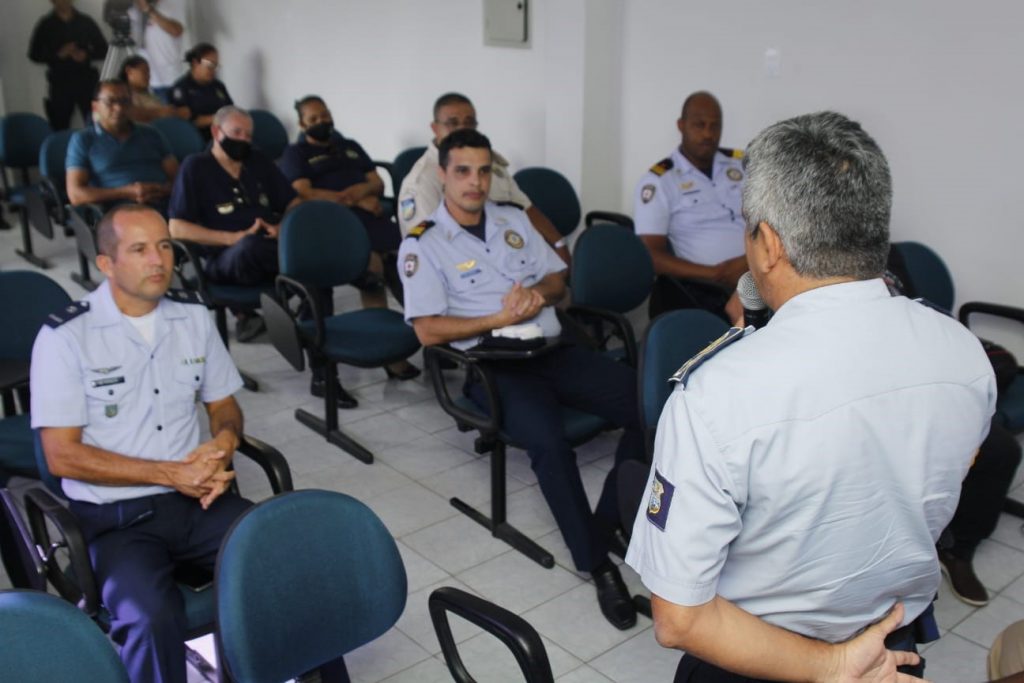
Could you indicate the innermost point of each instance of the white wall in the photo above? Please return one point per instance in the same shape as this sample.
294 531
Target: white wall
598 92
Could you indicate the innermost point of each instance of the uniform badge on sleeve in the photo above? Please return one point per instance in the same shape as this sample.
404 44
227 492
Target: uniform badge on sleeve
734 174
514 239
410 264
408 208
647 193
660 500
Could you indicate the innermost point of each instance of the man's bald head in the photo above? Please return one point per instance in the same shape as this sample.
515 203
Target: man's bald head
700 124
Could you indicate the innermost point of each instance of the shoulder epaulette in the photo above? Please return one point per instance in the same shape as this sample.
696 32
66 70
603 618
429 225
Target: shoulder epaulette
731 153
934 306
662 166
687 369
69 312
185 296
418 231
518 206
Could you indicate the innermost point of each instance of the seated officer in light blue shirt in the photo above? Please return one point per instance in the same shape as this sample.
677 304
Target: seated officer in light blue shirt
115 160
476 266
115 381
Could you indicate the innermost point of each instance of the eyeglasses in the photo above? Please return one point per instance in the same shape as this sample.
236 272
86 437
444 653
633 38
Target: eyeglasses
115 101
455 123
209 64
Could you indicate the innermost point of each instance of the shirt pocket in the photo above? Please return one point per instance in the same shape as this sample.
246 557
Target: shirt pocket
184 390
522 266
107 397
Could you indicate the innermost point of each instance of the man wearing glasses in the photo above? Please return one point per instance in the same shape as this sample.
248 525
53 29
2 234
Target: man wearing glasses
421 190
114 160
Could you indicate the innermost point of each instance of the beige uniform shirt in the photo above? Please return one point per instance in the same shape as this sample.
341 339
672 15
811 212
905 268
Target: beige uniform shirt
421 190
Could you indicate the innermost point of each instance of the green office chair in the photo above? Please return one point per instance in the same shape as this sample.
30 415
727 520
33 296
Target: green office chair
301 580
553 194
182 137
21 137
268 133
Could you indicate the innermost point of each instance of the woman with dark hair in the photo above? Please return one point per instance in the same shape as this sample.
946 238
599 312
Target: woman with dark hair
199 89
146 106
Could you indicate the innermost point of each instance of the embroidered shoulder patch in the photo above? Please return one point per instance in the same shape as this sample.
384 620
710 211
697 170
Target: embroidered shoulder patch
662 166
69 312
731 153
687 369
658 504
418 231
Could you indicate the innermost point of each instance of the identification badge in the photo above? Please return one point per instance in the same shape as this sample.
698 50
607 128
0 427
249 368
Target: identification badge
514 239
107 381
226 208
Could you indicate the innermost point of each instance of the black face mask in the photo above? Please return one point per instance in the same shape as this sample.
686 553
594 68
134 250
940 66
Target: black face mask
238 150
321 132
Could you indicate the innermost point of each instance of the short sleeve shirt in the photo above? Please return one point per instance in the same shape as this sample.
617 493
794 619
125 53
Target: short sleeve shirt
95 371
162 50
205 194
421 190
201 99
115 163
448 271
700 216
810 490
340 164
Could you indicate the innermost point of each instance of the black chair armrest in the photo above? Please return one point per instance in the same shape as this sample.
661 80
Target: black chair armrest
618 321
54 199
271 460
78 584
188 266
286 288
487 425
998 310
608 217
17 550
511 629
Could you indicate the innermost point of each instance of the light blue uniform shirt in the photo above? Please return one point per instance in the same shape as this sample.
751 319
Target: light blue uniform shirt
115 163
806 471
97 372
699 215
448 271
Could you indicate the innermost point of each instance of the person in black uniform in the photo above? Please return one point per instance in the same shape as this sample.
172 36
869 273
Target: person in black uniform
67 42
199 89
325 165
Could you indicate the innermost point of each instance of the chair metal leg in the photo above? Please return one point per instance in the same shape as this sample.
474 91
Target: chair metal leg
83 277
1013 507
220 317
249 382
328 425
497 523
642 605
201 666
26 239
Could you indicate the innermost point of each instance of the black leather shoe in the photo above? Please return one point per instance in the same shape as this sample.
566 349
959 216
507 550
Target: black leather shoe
962 580
409 372
345 399
613 597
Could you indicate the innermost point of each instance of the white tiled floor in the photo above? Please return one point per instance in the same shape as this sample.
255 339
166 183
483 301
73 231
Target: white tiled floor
422 460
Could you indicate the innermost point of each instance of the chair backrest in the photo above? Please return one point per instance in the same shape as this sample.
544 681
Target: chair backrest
48 639
323 244
181 136
402 164
21 136
671 340
302 579
553 194
52 157
26 299
268 133
928 274
611 269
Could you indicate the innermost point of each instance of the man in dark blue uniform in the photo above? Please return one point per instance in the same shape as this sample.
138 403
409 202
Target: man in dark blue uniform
115 160
477 266
67 41
327 166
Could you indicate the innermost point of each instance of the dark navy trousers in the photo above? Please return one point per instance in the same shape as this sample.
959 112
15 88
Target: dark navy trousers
135 546
250 261
532 393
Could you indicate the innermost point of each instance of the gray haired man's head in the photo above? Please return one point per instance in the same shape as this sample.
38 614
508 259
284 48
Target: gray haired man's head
822 183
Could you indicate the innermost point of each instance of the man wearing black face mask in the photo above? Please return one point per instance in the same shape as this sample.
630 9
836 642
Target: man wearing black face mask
327 166
230 199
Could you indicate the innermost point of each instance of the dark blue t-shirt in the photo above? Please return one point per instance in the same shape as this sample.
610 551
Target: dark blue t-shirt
206 195
340 164
115 163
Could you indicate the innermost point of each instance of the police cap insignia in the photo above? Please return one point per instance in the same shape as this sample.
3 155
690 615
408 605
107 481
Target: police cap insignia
418 231
647 193
66 313
514 239
662 166
410 264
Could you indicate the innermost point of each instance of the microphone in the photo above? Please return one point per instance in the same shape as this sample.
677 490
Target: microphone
755 311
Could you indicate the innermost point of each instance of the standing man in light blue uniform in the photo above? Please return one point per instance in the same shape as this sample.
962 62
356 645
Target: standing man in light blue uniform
803 473
115 381
687 212
476 266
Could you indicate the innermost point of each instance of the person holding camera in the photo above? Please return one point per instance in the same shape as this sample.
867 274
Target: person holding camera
158 27
67 42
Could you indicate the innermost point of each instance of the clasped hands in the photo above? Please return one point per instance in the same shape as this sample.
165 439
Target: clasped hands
204 472
520 304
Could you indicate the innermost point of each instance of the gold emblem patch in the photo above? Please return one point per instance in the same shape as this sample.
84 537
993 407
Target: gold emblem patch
513 239
734 174
657 489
